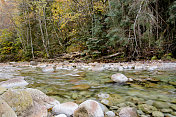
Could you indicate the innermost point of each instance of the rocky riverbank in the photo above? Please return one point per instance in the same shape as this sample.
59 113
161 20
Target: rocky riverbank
18 100
149 65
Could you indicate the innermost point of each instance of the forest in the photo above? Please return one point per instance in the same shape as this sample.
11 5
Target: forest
128 29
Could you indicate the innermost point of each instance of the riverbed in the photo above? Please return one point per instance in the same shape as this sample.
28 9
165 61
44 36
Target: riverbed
78 85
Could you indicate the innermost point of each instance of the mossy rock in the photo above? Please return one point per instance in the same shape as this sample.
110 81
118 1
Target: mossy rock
2 90
113 100
18 100
161 105
147 108
157 114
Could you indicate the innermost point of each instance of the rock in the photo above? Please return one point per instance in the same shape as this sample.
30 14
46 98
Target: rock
110 114
172 83
135 100
128 112
173 106
36 110
161 105
157 114
130 104
50 68
173 113
18 100
33 63
166 110
121 105
103 96
120 78
103 107
147 108
13 83
149 102
61 115
140 112
2 90
13 63
173 101
89 108
67 108
81 87
41 98
113 100
144 116
6 110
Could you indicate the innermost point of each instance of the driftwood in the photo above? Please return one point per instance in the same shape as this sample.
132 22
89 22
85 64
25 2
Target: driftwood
111 56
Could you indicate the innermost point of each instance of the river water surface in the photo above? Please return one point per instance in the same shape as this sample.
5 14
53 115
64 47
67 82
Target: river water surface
76 85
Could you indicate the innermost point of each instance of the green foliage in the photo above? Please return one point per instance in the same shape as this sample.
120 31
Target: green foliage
138 29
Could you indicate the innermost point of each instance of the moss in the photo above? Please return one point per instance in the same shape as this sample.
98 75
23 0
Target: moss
18 100
154 58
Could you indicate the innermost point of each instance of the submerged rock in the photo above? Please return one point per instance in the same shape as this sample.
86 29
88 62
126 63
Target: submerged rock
6 110
18 100
119 78
157 114
81 87
147 108
67 108
173 106
128 112
161 105
41 98
113 100
166 110
13 83
89 108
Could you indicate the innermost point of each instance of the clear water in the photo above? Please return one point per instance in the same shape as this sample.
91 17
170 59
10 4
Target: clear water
149 85
78 86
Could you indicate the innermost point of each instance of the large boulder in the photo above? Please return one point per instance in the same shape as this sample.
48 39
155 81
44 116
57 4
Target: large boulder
18 100
119 78
2 90
89 108
36 110
13 83
6 110
128 112
67 108
41 98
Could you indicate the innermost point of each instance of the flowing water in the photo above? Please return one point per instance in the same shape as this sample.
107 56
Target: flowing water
76 85
69 85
